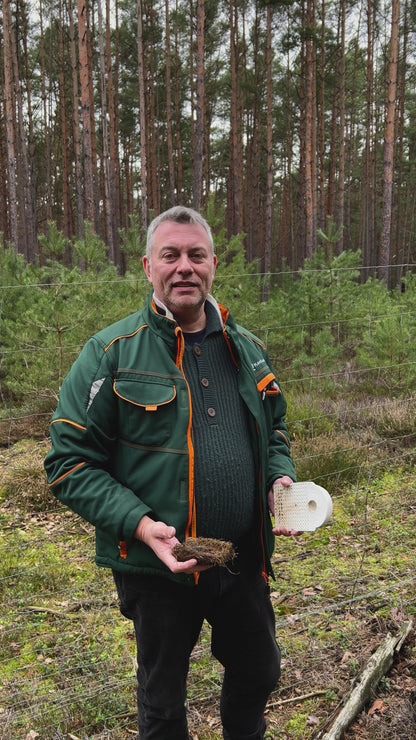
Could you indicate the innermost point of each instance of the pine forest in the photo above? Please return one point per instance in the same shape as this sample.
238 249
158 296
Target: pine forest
292 122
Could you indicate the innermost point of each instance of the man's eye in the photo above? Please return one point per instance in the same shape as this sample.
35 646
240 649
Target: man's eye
169 256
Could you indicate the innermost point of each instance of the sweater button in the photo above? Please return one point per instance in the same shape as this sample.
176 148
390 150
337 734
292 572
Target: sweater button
211 412
205 382
197 350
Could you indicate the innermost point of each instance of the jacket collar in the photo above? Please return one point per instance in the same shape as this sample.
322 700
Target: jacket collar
222 312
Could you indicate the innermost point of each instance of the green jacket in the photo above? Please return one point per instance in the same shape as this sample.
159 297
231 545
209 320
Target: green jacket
122 439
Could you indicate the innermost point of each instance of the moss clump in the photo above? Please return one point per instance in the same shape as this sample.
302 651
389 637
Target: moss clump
207 551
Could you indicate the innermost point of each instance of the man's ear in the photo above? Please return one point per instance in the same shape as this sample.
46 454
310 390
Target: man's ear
147 267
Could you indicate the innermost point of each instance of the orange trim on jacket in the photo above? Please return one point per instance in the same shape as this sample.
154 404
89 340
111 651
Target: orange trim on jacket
80 465
282 435
125 336
264 382
68 421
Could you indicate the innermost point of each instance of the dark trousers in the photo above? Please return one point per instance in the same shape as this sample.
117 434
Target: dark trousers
168 618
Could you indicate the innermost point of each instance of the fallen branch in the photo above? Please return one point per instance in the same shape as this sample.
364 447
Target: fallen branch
296 699
378 665
43 610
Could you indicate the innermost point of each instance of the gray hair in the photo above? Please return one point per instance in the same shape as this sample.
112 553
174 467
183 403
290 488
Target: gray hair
179 215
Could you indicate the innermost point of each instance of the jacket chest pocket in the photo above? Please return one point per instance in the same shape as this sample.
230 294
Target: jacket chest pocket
147 409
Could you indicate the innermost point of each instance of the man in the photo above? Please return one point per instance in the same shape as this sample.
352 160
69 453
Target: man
171 424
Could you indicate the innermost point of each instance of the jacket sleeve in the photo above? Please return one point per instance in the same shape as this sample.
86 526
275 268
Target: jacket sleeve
83 436
280 458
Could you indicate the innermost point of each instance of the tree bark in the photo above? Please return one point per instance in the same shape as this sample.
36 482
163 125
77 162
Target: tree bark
389 140
108 205
310 216
113 119
26 222
321 124
169 134
341 128
76 132
235 201
10 121
401 211
269 157
66 194
143 119
200 107
179 165
30 150
86 112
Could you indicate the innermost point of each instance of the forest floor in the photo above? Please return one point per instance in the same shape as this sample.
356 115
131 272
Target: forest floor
67 666
390 715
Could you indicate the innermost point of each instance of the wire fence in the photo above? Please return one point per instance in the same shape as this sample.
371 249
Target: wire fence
67 657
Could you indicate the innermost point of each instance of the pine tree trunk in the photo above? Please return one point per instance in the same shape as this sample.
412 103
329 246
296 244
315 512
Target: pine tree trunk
66 194
389 140
4 212
192 78
86 113
341 135
113 119
368 184
254 211
152 159
179 166
30 152
10 121
235 205
269 157
321 124
310 228
143 119
400 211
169 135
104 138
26 226
200 107
46 200
76 132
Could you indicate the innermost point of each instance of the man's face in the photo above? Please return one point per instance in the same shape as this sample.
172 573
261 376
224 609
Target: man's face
181 268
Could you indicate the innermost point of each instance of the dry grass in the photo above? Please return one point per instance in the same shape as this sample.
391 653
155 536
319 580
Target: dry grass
67 665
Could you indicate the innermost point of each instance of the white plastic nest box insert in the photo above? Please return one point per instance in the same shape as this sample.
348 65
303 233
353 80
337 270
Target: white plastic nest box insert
302 506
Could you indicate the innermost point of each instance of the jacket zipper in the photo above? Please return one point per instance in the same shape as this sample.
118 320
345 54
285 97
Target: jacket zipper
191 524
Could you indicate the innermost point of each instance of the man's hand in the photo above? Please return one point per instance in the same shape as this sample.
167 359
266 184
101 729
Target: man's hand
284 481
161 539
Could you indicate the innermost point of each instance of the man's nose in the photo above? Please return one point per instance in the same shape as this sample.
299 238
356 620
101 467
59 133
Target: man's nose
184 264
